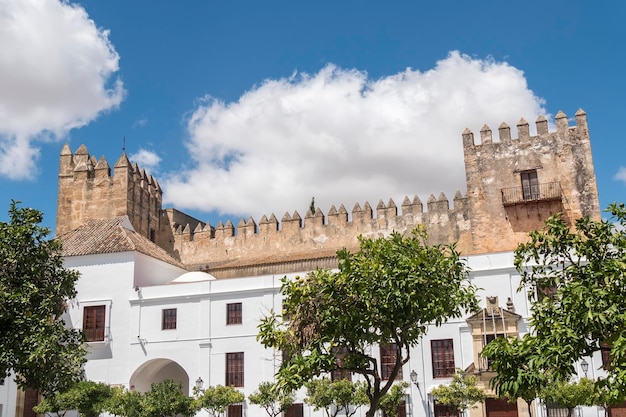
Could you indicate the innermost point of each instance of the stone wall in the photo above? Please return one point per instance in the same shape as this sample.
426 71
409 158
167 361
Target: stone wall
486 219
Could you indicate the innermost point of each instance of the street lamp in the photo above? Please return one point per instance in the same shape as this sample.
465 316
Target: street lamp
199 383
413 377
584 366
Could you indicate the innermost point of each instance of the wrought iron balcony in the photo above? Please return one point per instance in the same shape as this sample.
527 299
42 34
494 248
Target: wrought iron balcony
537 192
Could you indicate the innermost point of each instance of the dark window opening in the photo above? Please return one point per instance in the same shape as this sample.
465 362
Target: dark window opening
339 374
530 185
93 323
234 369
388 353
168 321
442 352
233 313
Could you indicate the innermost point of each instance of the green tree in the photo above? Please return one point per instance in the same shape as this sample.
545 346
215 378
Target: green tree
390 291
86 397
571 394
125 403
518 367
336 397
582 271
35 344
271 398
215 400
461 394
393 399
166 399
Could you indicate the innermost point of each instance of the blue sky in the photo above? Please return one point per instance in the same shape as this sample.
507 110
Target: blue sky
248 108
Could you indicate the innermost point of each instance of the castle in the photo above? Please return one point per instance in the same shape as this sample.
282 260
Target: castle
513 185
163 295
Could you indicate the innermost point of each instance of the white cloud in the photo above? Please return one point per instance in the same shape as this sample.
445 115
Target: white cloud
56 70
146 159
344 138
621 174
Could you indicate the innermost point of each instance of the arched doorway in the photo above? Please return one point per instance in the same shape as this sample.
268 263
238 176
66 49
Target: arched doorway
158 370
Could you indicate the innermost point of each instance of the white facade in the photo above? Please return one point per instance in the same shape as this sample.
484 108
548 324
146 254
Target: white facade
135 289
137 352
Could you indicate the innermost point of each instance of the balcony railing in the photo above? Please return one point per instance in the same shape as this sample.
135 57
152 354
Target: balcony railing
538 192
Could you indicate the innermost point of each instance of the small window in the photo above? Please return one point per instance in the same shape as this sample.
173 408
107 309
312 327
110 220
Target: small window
233 313
442 352
388 353
488 339
235 410
295 410
94 323
605 352
234 369
445 410
400 411
530 185
168 321
339 374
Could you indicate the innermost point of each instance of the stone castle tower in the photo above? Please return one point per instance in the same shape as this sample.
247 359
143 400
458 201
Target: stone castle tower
513 185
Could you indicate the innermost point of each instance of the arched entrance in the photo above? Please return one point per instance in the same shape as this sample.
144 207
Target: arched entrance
158 370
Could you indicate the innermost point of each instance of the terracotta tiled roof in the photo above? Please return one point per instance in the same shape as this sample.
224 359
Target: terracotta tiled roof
111 235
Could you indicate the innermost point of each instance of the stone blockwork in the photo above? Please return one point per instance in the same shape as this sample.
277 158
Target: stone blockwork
513 185
560 162
88 191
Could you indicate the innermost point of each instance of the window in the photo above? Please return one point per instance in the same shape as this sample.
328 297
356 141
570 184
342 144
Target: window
400 411
93 323
554 410
442 352
234 369
489 338
339 374
168 321
530 185
233 313
605 352
295 410
388 360
445 410
235 410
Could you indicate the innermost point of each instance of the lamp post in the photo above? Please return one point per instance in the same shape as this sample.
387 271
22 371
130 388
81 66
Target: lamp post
413 377
584 366
199 383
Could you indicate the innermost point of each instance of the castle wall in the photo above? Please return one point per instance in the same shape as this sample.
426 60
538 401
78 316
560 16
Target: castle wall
317 235
513 186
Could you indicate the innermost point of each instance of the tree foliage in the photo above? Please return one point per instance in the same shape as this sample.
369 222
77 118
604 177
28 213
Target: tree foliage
583 271
389 291
518 366
393 399
215 400
35 344
336 397
271 398
571 394
165 399
461 394
87 397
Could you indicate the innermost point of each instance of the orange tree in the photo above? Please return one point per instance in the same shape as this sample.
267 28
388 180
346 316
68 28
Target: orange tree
390 291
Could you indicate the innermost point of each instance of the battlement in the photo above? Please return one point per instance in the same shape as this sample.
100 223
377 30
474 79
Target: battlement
316 235
523 131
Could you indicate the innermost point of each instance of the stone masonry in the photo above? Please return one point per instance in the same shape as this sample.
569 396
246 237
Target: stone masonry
513 185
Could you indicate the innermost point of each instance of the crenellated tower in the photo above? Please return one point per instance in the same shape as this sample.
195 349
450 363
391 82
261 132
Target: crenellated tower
87 190
515 184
